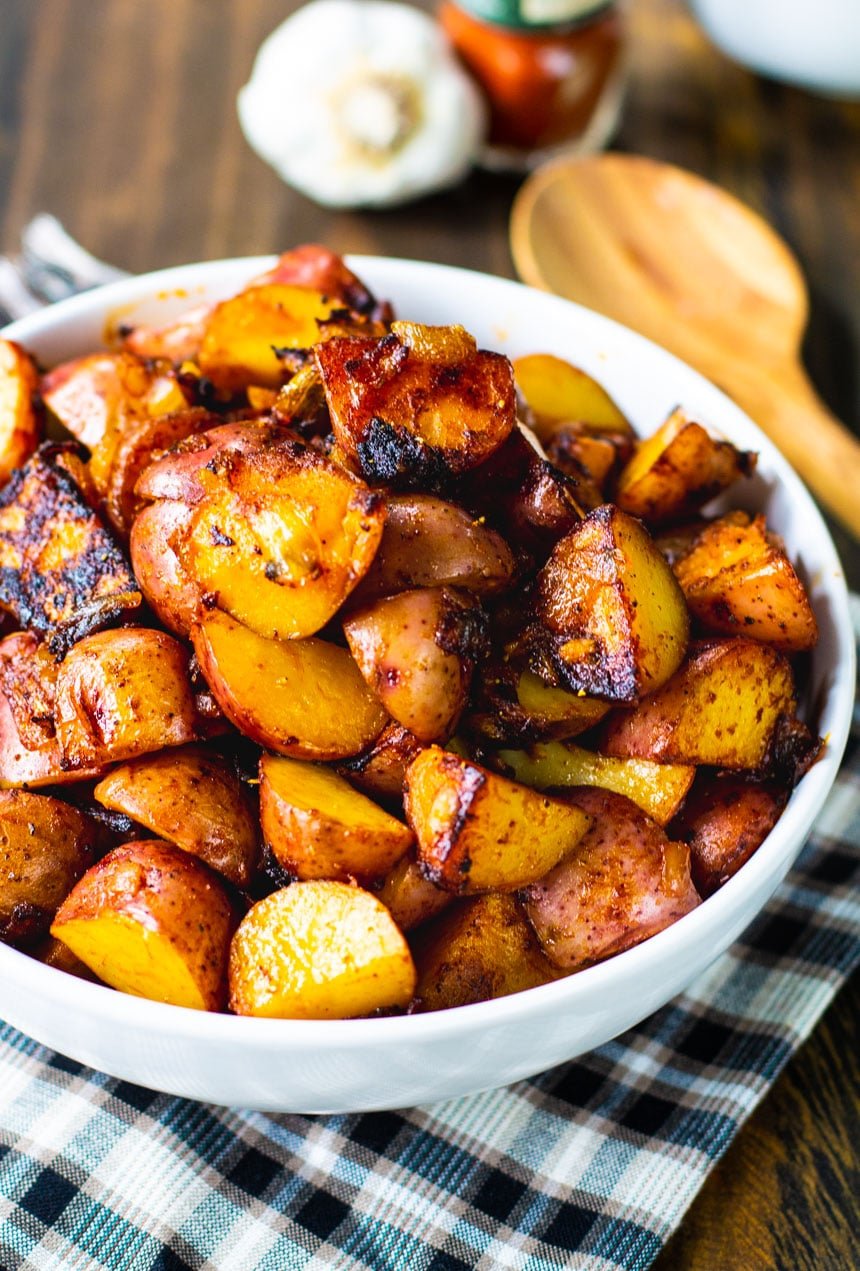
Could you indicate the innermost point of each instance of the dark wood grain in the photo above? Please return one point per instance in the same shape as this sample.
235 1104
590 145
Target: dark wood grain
119 116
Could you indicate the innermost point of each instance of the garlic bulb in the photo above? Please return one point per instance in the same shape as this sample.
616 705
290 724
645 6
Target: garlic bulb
361 103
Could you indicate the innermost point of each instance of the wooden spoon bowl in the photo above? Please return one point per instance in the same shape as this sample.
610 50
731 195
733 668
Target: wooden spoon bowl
691 267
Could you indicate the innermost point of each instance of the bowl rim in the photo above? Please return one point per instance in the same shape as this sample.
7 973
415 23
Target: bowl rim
710 920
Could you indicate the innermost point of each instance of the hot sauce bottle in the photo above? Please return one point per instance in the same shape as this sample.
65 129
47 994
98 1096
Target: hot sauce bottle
552 72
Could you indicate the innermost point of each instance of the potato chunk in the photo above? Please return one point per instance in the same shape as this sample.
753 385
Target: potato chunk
560 393
481 948
721 708
380 770
319 950
92 396
477 831
318 826
735 579
45 847
411 898
157 552
413 412
613 622
677 470
191 798
417 652
622 883
152 921
514 705
20 421
658 788
725 820
303 698
121 694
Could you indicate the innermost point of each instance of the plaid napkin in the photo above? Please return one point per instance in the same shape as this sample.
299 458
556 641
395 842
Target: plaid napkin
589 1166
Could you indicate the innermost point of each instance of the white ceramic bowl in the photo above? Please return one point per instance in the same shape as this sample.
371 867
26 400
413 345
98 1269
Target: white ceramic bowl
334 1066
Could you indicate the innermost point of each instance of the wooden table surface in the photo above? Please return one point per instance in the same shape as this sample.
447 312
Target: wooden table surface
119 116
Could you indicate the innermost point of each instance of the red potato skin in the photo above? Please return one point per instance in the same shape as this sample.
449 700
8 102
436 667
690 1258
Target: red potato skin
186 472
156 558
142 442
21 424
623 882
322 270
725 820
177 341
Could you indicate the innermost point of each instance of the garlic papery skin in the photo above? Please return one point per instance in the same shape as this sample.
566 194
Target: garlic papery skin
361 103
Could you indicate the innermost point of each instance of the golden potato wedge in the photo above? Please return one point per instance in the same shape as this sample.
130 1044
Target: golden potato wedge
20 421
92 396
477 831
735 578
430 543
721 708
657 788
192 798
303 698
725 820
319 950
157 550
558 392
45 847
612 621
61 572
379 771
318 826
412 418
677 470
481 948
623 882
417 652
152 921
411 898
514 705
121 694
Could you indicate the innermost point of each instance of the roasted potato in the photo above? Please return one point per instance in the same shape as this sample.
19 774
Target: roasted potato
559 393
191 798
417 652
152 921
415 410
623 882
45 847
20 419
596 456
479 949
477 831
612 621
411 898
303 698
379 770
724 820
677 470
319 950
322 270
721 708
657 788
318 826
157 550
514 705
736 579
121 694
176 341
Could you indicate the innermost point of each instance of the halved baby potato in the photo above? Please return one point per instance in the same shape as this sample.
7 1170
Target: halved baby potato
20 421
318 826
319 950
156 547
724 820
152 921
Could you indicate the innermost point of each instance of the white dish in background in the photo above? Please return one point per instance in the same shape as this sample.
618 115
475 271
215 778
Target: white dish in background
352 1065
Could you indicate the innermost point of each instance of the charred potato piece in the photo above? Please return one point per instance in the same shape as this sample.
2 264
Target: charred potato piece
319 950
121 694
157 553
677 470
657 788
61 572
598 456
481 948
612 618
417 652
559 393
411 898
417 410
477 831
45 847
303 698
725 820
721 708
193 799
624 882
20 420
318 826
379 770
514 705
430 543
152 921
735 578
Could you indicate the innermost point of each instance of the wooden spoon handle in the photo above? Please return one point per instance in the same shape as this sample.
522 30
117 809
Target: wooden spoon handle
781 400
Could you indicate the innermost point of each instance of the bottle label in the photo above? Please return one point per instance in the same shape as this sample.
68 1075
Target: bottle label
533 13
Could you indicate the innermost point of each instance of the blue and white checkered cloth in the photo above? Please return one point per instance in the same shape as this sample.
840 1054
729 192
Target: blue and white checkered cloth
590 1166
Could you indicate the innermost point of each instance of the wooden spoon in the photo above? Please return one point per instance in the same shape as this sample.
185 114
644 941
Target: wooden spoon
694 269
